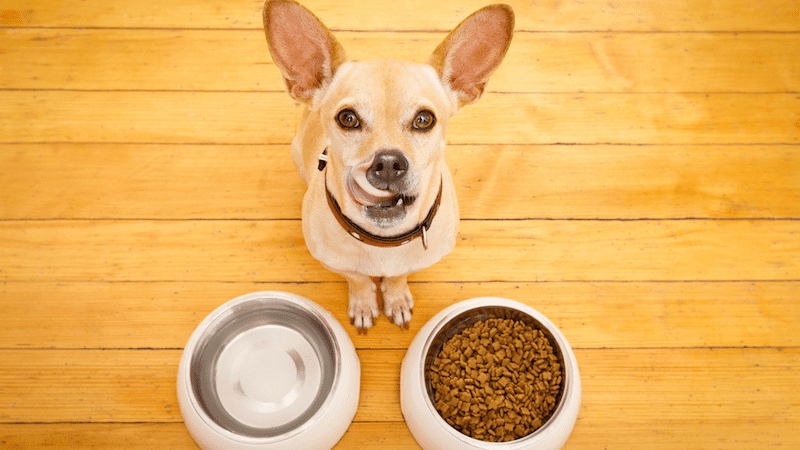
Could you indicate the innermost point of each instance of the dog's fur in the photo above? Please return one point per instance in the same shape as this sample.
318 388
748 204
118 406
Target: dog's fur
386 97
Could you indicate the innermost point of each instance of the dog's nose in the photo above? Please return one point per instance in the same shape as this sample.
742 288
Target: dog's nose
388 168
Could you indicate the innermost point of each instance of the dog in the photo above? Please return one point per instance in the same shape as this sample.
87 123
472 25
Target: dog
380 202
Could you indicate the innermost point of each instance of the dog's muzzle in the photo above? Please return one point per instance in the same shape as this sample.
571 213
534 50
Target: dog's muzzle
380 185
380 181
378 201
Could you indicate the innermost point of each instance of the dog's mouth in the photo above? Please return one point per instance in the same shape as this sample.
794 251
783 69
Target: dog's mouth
392 209
384 208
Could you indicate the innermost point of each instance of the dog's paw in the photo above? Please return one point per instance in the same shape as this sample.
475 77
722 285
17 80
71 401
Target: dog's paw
363 311
399 311
398 304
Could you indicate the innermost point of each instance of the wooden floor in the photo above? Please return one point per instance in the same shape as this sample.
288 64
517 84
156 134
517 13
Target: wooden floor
633 173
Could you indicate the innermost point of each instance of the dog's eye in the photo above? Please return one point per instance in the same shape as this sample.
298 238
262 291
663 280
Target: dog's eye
423 121
348 119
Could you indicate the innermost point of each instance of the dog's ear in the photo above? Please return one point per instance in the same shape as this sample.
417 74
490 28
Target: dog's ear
473 51
302 47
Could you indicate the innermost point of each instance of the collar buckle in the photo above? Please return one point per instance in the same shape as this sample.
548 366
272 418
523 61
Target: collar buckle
323 160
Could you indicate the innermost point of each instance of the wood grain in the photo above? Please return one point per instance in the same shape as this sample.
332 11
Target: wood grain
128 181
594 315
682 385
395 436
96 436
529 250
144 436
271 118
632 173
537 62
614 15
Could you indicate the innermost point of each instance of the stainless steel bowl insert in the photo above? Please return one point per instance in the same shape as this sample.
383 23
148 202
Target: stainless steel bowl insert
264 368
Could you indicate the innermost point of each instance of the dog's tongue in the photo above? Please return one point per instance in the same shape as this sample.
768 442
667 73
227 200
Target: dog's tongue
360 189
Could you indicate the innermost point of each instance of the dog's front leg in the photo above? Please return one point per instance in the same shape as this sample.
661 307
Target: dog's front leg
397 301
363 308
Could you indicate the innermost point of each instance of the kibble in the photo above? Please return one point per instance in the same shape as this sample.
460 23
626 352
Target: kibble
497 380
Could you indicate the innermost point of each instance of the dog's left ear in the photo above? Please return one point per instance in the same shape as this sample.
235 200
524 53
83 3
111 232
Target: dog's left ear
302 47
474 50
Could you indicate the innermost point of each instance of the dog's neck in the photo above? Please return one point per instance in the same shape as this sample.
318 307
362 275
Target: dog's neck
362 235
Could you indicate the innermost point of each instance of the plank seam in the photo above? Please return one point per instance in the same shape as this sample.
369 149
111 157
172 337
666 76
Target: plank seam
405 31
159 422
281 91
534 281
501 219
450 144
475 144
394 349
788 280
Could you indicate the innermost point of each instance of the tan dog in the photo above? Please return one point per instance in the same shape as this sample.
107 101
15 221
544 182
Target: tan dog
380 202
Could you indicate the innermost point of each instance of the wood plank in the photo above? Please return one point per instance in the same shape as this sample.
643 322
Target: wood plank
591 315
537 250
618 15
700 384
128 181
260 118
690 398
147 117
630 182
96 436
395 436
89 386
143 436
156 181
84 386
538 62
677 387
697 435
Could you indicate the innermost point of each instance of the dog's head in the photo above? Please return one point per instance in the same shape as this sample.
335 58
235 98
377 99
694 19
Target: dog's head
384 121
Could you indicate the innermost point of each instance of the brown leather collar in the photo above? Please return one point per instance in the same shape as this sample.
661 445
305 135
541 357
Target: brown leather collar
383 241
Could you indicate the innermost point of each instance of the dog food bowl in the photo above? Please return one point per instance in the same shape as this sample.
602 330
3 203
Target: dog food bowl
271 371
431 431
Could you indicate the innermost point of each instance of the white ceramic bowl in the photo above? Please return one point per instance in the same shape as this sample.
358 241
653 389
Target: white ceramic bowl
428 427
270 371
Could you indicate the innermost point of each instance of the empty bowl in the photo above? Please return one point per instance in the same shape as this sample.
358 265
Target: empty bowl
431 430
268 370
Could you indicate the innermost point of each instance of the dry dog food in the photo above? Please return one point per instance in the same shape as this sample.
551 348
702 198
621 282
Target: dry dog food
497 380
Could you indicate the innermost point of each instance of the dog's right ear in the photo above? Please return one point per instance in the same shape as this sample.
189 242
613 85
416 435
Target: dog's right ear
302 47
